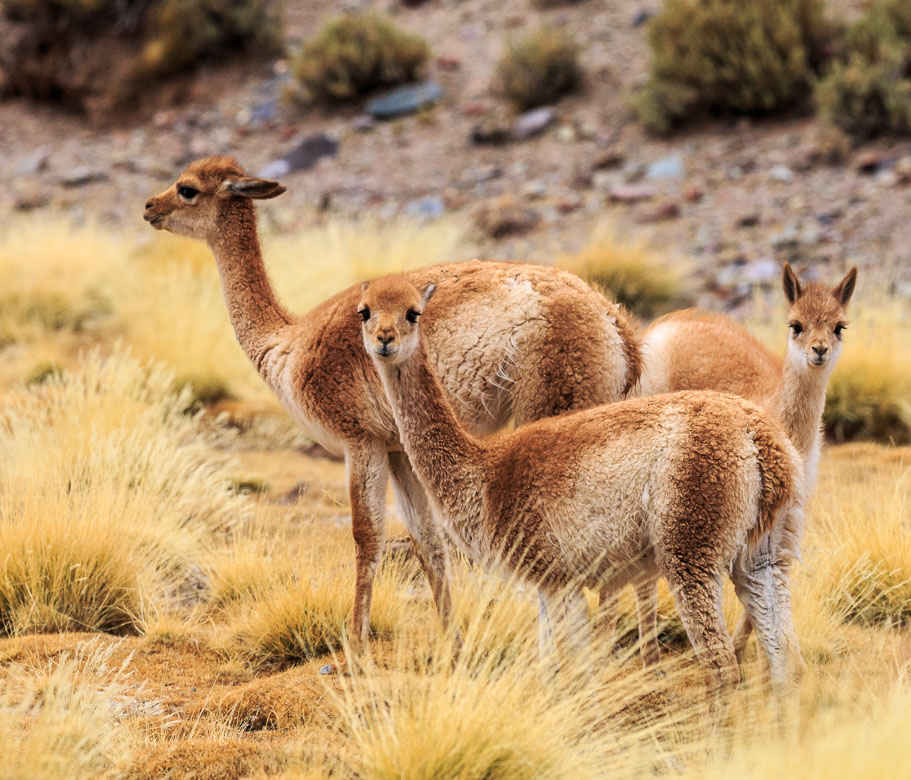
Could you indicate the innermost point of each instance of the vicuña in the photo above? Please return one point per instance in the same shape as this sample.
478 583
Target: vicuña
679 485
509 341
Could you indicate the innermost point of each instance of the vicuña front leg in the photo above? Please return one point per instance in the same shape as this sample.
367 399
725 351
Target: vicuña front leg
647 609
367 472
429 543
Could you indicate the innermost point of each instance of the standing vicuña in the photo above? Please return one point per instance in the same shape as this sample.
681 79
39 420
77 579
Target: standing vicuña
693 350
508 340
676 485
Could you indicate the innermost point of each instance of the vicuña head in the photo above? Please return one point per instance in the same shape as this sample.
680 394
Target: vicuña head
390 310
193 205
817 319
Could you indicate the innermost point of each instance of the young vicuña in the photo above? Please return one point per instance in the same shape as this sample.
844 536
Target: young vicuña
679 485
693 350
509 341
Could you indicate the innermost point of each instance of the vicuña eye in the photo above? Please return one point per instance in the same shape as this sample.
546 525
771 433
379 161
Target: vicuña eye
796 328
365 314
839 329
412 316
187 193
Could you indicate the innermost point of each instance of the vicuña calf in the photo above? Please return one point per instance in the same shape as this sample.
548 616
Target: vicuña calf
676 486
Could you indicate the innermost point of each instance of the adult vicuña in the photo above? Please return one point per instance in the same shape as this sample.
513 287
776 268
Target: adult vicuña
676 485
693 350
509 341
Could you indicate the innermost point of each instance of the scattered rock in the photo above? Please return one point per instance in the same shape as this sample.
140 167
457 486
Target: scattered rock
445 62
480 173
748 220
306 154
785 239
762 271
490 132
534 189
692 193
869 161
404 100
566 134
903 170
629 193
781 173
82 175
275 169
363 123
608 158
669 210
425 209
30 199
887 177
35 162
670 167
534 122
504 216
804 157
642 16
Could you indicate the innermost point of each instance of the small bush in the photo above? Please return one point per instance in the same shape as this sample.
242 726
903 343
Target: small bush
868 91
539 68
355 54
632 273
724 57
95 55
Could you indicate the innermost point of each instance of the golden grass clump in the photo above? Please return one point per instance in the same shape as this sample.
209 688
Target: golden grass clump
64 720
357 53
539 68
631 272
111 499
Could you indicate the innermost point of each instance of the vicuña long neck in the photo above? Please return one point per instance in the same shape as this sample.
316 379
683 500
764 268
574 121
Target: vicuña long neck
448 460
800 400
256 314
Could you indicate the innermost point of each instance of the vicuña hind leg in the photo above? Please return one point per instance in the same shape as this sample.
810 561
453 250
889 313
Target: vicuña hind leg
647 609
564 630
697 595
429 543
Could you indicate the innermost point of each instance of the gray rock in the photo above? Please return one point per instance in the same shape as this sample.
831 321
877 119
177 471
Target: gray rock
670 167
34 162
534 189
762 271
274 169
478 174
629 193
82 175
425 209
306 154
534 122
408 99
781 173
363 123
785 239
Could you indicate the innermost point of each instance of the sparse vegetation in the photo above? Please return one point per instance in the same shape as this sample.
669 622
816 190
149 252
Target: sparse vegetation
539 68
867 92
96 55
358 53
631 272
728 57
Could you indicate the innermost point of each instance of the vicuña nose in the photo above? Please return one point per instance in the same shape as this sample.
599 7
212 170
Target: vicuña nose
820 349
149 205
385 336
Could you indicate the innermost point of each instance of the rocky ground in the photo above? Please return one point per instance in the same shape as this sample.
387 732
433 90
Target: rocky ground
738 197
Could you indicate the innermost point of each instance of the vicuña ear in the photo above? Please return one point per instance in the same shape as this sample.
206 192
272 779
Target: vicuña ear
364 287
792 288
427 293
845 288
249 187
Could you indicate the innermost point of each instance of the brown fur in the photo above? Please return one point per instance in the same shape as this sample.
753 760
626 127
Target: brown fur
694 350
675 485
508 340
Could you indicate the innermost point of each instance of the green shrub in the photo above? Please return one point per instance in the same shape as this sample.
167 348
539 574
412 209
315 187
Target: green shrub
355 54
725 57
539 68
867 92
96 55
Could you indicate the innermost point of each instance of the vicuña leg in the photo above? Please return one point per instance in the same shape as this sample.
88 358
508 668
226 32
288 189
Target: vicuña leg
607 618
367 472
429 543
647 610
564 629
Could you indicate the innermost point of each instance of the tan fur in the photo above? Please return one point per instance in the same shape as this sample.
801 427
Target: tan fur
693 350
508 340
675 485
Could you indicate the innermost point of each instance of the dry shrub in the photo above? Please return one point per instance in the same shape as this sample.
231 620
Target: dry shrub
725 57
100 54
357 53
208 759
111 499
867 92
631 271
539 68
64 720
